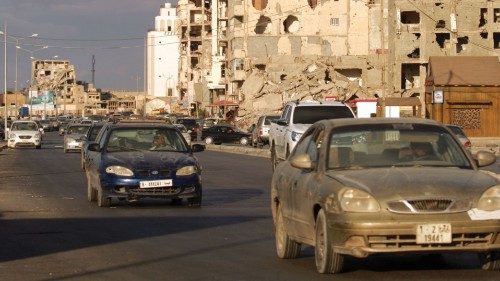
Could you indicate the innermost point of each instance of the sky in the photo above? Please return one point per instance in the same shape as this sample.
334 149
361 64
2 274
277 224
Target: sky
112 30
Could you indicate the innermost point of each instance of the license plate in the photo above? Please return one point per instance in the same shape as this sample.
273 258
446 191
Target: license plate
439 233
156 183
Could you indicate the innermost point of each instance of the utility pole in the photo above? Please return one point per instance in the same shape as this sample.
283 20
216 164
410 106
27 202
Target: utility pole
93 70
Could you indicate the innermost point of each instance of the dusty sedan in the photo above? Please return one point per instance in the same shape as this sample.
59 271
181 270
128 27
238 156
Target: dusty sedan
366 186
75 137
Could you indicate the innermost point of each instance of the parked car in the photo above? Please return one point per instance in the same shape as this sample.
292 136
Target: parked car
136 160
185 133
91 136
354 187
75 137
260 133
457 130
24 134
222 133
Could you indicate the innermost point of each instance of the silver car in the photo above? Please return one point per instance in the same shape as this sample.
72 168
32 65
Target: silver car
75 137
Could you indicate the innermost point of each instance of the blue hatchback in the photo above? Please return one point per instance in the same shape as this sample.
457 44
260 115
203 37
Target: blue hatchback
134 160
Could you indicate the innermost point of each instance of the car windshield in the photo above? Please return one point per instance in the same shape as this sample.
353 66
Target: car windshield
399 145
24 126
311 114
154 139
78 130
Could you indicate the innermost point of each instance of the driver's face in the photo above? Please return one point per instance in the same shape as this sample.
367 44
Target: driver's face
159 140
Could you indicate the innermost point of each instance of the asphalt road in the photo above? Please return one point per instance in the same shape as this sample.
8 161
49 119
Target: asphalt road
48 230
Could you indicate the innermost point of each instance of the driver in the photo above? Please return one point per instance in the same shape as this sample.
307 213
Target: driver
159 141
421 150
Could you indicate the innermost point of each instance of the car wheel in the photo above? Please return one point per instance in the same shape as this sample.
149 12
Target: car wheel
327 261
244 141
91 192
490 261
286 248
38 146
195 201
209 140
102 198
274 158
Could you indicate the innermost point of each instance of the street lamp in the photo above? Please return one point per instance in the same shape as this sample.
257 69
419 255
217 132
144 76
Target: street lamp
4 32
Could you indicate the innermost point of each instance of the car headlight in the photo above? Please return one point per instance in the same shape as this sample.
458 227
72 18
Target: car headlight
37 136
119 171
353 200
490 200
296 136
186 171
12 136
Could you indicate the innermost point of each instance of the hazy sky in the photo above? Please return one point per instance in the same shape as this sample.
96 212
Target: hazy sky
76 29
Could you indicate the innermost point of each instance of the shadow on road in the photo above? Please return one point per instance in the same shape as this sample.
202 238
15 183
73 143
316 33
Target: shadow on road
26 238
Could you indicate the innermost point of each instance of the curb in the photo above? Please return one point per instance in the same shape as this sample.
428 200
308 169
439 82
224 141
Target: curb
240 150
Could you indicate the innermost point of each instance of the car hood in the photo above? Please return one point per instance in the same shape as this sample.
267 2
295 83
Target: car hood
26 133
399 183
144 160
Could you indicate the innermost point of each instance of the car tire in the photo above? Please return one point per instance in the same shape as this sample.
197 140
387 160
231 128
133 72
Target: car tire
286 248
327 261
490 261
274 158
244 141
196 201
102 198
91 192
38 146
209 140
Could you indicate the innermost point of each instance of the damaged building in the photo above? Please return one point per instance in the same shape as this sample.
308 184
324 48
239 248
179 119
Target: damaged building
262 53
57 77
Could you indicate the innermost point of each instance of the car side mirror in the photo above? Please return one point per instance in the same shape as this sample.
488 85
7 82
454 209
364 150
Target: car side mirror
485 158
197 147
94 147
302 161
282 122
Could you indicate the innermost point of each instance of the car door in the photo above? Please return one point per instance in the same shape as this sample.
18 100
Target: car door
93 162
306 186
290 178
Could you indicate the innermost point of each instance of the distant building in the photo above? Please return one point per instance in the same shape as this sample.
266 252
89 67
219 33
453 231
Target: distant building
162 55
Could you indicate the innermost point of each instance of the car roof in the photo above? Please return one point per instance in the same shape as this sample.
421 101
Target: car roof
316 103
377 120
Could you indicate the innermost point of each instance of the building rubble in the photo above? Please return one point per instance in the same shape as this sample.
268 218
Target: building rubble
306 79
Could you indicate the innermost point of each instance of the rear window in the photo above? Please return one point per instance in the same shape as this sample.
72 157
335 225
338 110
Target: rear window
457 130
312 114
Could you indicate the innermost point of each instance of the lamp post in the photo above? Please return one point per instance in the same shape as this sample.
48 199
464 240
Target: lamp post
32 53
17 55
5 77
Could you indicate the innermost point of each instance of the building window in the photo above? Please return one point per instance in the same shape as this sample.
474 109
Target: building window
170 92
496 40
410 17
334 21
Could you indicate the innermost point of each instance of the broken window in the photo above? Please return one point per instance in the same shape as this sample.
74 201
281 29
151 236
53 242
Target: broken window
496 15
410 17
259 4
353 74
415 54
442 39
483 19
461 42
410 76
484 35
261 67
440 24
238 21
313 3
263 25
417 35
496 40
291 24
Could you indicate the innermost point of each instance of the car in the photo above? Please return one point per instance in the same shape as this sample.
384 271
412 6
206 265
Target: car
260 133
91 136
135 160
75 137
457 130
54 123
191 124
223 133
185 133
46 125
24 134
62 127
353 187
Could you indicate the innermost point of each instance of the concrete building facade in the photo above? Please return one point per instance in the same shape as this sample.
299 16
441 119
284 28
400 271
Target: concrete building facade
162 55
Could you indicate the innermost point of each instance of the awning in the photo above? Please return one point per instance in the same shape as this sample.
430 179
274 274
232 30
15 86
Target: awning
225 103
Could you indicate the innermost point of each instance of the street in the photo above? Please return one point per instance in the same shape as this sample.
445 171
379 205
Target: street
50 232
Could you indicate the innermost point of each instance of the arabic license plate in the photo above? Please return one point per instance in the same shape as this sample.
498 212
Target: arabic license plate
439 233
156 183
